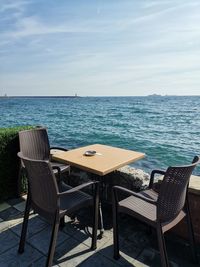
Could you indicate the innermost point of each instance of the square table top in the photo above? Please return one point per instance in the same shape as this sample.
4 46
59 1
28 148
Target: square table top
106 160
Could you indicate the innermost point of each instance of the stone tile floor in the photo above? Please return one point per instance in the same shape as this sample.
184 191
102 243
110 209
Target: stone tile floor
137 247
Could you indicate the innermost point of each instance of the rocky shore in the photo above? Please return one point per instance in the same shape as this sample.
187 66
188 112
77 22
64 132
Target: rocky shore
127 176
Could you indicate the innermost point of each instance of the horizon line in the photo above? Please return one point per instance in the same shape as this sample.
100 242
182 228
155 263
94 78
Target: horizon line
77 96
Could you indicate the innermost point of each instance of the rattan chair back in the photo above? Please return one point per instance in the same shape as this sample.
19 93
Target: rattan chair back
43 187
172 193
34 143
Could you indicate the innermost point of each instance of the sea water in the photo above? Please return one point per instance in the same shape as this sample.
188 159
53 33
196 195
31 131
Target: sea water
165 128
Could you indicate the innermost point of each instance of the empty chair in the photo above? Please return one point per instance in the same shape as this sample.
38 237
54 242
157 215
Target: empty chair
34 144
53 202
161 210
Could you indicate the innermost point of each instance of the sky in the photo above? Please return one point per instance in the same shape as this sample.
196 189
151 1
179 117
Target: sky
99 47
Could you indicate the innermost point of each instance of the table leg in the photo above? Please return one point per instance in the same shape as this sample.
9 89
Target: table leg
101 224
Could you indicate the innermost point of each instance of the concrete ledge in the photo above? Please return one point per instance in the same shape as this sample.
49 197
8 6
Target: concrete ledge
194 185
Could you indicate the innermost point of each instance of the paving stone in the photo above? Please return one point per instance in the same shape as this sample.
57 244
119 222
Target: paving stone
15 201
42 261
15 218
98 260
150 257
41 240
11 258
137 263
73 244
20 206
139 239
10 213
71 253
179 252
178 262
8 240
9 224
128 226
35 225
81 234
4 206
128 252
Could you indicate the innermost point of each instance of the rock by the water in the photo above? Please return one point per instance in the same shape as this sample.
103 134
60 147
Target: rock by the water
131 178
127 176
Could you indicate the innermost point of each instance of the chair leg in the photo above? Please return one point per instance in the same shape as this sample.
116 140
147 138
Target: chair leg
24 226
115 232
101 223
53 241
191 233
19 180
62 222
162 247
21 175
95 218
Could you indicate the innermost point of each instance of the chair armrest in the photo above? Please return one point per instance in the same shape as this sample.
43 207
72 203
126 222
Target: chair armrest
152 176
129 192
59 172
59 148
56 168
77 188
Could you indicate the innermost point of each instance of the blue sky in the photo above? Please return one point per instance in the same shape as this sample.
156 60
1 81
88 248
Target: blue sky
99 47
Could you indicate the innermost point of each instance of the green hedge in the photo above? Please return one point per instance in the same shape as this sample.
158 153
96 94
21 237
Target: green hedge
9 162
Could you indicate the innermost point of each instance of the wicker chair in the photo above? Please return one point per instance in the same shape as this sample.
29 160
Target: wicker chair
52 201
161 210
34 144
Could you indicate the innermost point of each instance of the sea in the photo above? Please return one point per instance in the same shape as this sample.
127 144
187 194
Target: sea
165 128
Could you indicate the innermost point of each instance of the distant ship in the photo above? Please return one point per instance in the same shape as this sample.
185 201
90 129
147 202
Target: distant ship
154 95
76 96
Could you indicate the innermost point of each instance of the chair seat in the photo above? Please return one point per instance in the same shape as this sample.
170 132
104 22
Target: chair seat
73 201
138 208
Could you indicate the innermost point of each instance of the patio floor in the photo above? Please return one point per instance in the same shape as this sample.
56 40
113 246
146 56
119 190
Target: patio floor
138 248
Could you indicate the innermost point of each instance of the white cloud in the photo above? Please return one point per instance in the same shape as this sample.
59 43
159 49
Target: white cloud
12 5
29 26
162 12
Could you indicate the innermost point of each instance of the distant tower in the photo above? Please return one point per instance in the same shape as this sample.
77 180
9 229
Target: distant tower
76 95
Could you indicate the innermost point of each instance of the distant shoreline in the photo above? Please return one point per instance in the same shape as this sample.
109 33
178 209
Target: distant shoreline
39 96
64 96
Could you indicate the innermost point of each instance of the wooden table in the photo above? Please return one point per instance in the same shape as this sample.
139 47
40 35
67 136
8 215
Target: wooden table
106 160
